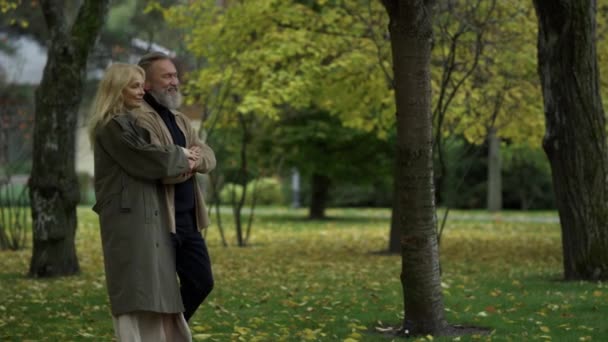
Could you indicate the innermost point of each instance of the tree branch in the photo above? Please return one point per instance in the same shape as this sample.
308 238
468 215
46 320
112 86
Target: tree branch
53 12
91 17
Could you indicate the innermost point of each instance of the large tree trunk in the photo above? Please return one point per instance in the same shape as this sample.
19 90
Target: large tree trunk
53 183
494 195
411 39
319 195
575 138
394 240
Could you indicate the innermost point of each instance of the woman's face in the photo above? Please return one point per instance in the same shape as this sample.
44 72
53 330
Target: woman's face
133 93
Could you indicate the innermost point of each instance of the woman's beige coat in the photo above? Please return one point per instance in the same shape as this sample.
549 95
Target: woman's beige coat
138 254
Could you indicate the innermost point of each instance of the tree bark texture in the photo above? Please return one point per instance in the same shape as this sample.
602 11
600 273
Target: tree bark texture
410 29
494 195
53 183
319 196
394 240
575 136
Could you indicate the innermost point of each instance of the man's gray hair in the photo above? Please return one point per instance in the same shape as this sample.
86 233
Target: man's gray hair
148 59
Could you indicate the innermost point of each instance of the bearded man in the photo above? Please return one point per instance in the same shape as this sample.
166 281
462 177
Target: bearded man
185 203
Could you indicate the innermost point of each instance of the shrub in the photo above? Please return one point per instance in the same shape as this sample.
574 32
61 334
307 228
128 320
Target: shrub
527 182
14 216
526 177
463 185
87 192
267 191
362 195
14 194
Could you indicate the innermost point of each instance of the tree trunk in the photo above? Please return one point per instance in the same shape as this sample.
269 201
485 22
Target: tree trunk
53 184
410 29
494 172
237 205
319 196
394 242
215 180
575 138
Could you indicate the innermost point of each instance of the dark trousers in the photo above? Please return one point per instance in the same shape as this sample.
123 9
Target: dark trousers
193 268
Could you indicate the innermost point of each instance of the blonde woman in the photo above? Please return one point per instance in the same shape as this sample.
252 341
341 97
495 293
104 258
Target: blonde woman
138 254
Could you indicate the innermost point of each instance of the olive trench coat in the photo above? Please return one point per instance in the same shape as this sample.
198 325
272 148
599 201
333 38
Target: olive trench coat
139 257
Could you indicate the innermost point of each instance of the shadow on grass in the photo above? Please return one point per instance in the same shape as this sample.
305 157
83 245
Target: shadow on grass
282 218
449 331
384 252
13 276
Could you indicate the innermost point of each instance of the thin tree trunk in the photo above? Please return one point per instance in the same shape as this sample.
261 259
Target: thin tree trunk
411 38
575 136
254 199
320 192
494 195
238 206
53 184
214 181
4 146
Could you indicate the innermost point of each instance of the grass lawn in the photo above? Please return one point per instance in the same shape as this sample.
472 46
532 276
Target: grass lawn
321 281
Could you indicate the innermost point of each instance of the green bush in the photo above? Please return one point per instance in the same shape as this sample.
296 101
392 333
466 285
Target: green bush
463 185
526 177
87 192
228 191
267 191
362 195
21 167
14 216
14 195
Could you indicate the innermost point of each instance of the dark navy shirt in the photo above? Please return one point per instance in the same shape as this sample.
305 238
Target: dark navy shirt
184 192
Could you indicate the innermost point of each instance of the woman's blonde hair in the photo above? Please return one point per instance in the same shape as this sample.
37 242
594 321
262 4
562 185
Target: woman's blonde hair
109 101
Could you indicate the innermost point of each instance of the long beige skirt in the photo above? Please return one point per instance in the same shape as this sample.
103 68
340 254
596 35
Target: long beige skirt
147 326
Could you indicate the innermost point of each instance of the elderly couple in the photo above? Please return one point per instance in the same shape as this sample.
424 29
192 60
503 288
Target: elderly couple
150 205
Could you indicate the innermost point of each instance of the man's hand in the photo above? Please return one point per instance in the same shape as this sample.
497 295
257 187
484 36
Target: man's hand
193 158
196 151
192 154
192 165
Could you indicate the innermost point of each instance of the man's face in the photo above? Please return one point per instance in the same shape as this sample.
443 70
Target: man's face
163 84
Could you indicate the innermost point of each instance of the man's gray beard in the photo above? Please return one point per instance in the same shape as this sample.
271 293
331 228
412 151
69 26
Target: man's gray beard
171 101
